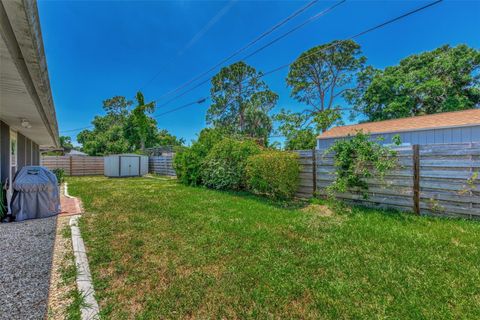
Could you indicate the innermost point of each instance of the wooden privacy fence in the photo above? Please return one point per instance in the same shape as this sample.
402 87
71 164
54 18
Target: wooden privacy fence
74 165
430 179
88 165
162 165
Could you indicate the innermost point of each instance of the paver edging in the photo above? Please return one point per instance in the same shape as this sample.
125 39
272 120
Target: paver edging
90 308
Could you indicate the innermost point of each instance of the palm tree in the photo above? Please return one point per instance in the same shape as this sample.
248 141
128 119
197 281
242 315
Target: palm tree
140 118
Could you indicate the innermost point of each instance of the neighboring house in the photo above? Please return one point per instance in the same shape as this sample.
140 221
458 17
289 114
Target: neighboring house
447 127
74 152
27 115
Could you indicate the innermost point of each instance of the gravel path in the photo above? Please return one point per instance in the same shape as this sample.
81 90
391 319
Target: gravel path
26 250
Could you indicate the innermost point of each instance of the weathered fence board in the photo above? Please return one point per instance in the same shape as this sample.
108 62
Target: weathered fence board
88 165
74 165
445 180
162 165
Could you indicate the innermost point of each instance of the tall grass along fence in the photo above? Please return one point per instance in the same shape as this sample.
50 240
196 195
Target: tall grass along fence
440 179
74 165
162 165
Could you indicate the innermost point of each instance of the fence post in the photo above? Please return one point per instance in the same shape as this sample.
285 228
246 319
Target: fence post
314 168
416 178
71 166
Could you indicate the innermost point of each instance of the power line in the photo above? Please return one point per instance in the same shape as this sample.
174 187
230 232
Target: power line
263 35
196 37
77 129
309 20
251 43
390 21
199 101
248 45
360 34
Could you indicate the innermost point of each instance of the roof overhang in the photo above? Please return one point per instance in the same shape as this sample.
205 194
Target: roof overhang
442 120
395 131
25 92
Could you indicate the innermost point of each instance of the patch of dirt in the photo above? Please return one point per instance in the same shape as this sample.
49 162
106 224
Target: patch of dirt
59 295
318 210
300 307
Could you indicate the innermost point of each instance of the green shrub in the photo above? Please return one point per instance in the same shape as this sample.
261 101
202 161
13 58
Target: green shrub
274 173
60 174
187 165
188 162
224 166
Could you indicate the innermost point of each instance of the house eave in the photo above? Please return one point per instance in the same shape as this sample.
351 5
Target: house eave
21 33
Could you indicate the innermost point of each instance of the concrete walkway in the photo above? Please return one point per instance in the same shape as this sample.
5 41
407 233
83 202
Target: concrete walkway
26 250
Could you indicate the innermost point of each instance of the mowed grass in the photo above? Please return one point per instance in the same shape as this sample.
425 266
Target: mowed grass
159 250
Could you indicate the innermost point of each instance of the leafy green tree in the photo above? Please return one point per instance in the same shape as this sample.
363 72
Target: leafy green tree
66 143
292 127
302 139
165 138
117 107
319 78
141 128
241 101
121 130
445 79
107 137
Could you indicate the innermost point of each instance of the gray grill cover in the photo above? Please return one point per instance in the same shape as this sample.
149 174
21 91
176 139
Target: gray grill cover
35 194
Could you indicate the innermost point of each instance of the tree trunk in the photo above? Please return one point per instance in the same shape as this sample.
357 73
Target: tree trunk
241 111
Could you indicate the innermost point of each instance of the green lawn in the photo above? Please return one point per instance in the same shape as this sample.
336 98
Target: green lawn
158 249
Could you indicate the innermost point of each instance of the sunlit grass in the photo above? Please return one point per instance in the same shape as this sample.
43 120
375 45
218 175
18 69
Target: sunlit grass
158 249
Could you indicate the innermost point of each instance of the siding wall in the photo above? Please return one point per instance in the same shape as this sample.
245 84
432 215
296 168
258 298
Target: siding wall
432 136
4 151
28 152
21 151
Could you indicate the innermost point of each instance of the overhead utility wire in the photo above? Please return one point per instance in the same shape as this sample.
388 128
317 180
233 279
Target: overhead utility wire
248 45
199 101
309 20
77 129
354 36
359 34
335 44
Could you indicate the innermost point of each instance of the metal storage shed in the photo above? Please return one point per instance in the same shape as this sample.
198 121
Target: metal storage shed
125 165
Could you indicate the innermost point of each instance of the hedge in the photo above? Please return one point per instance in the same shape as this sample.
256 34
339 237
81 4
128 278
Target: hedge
275 174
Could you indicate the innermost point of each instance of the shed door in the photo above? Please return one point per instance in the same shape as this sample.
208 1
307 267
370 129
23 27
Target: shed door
129 166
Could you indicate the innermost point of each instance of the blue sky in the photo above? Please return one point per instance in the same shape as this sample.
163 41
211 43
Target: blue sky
96 50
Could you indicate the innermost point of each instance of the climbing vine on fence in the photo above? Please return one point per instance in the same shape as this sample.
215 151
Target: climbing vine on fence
357 159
